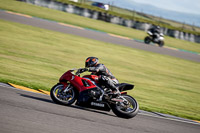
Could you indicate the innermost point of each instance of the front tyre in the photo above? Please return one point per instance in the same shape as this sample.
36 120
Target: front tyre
127 109
147 40
59 96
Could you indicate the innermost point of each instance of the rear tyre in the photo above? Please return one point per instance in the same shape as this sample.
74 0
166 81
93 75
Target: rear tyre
60 97
126 110
147 40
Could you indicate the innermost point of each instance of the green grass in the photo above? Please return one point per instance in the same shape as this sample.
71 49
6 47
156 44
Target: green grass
36 58
68 18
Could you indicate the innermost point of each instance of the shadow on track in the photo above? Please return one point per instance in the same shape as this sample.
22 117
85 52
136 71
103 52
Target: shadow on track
72 106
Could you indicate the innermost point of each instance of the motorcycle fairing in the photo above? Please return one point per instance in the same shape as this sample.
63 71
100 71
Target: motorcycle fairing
78 82
86 100
94 78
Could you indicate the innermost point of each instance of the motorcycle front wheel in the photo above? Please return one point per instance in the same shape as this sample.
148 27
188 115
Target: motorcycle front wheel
126 109
59 96
147 40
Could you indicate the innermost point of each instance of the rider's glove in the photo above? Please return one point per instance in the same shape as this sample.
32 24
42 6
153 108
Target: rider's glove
86 69
83 70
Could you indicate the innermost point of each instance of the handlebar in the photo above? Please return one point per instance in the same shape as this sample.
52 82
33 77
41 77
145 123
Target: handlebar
80 70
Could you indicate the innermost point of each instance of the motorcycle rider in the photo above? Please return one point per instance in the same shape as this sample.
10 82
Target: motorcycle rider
155 30
105 76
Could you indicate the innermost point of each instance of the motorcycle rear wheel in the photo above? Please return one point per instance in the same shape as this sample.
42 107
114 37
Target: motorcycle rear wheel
129 111
161 43
60 97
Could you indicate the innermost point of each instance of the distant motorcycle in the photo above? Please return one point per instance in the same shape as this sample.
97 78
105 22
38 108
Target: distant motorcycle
86 92
155 38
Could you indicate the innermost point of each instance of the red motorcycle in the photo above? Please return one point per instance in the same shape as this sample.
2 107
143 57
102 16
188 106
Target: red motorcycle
87 92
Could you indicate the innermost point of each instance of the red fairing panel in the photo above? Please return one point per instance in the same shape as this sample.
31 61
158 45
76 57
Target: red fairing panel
77 81
92 77
66 76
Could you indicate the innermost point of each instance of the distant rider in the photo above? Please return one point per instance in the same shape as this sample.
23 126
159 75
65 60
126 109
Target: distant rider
155 32
105 76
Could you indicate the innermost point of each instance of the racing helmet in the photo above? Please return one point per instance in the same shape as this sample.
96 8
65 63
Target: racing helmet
157 27
91 61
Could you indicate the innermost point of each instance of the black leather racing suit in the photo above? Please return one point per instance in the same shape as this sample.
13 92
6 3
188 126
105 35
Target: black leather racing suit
155 32
105 76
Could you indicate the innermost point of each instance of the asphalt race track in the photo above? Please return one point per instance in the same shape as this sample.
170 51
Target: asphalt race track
60 27
28 112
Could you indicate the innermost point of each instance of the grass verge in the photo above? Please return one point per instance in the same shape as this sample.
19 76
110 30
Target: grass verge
36 58
73 19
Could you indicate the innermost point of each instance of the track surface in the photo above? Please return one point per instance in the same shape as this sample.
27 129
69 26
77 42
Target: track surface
27 112
50 25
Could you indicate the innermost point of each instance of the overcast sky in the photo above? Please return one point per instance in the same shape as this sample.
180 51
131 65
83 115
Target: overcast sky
188 6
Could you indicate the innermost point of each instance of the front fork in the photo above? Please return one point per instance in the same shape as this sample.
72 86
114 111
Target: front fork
66 87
